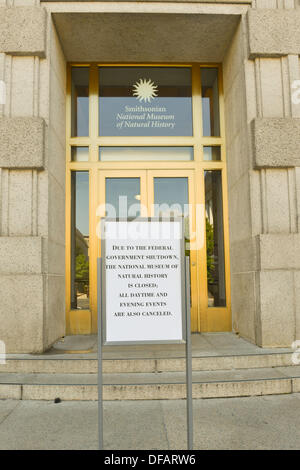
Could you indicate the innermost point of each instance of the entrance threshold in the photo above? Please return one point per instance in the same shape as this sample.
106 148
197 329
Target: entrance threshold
203 345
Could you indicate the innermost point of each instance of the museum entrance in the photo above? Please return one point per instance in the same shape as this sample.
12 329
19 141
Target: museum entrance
147 141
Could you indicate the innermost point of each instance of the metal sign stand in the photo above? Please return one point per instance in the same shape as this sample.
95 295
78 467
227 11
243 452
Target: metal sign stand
188 348
100 383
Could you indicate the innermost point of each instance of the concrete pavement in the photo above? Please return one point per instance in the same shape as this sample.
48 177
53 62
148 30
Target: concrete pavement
270 422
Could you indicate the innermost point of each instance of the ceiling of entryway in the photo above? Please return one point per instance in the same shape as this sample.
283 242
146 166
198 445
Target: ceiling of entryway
140 37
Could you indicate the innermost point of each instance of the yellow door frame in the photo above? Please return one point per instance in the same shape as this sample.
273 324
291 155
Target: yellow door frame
204 318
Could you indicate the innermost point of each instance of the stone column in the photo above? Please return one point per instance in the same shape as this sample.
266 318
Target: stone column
263 154
32 175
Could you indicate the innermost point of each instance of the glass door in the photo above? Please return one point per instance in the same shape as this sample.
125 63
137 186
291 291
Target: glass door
122 194
155 193
171 194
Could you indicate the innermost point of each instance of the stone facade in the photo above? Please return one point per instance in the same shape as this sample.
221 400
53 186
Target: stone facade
32 179
259 46
263 141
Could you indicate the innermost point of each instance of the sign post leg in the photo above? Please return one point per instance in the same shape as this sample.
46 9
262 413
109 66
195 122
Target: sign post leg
189 380
100 388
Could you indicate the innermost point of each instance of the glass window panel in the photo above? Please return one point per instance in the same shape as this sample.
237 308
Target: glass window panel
116 154
80 102
212 153
80 240
80 154
210 102
122 197
171 199
215 239
145 101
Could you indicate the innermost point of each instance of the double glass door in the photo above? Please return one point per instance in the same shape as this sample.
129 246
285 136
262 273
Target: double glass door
147 140
154 193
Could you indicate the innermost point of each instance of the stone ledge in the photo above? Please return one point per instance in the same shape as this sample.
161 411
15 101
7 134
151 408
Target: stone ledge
22 300
160 1
22 142
10 392
275 304
23 31
279 251
275 142
21 255
273 33
272 251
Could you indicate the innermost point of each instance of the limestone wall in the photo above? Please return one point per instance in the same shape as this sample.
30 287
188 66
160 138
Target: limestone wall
32 179
263 154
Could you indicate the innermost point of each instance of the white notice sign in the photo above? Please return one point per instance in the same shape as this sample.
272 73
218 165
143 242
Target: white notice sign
143 278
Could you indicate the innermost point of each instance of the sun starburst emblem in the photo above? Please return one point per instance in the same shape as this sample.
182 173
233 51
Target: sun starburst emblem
145 90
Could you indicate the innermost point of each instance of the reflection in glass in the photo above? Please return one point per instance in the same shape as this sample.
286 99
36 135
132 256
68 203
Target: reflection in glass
171 199
80 102
145 101
210 102
212 153
123 197
80 154
80 240
214 239
125 154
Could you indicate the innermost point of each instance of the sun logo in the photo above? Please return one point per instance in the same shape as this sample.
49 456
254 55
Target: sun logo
145 90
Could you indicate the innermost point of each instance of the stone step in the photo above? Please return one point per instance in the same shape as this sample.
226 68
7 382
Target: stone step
87 363
151 386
